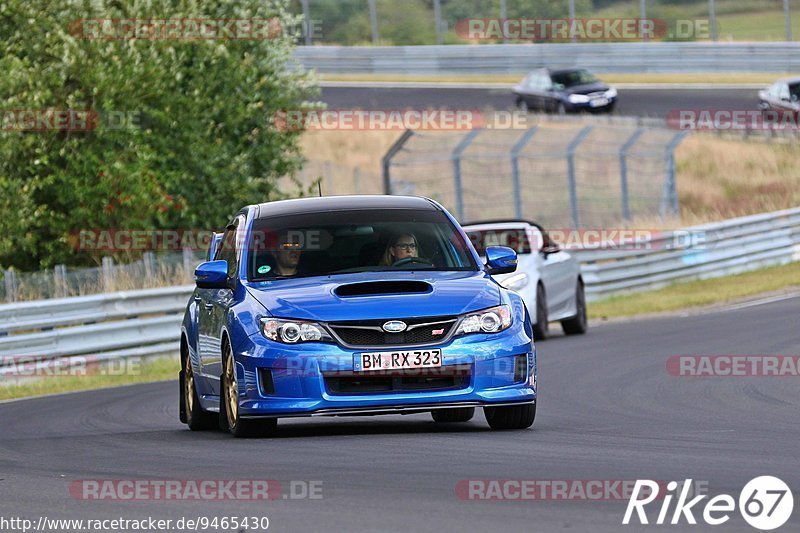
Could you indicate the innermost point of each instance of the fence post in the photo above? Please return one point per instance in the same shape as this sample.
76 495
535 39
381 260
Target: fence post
573 188
149 262
326 178
357 180
108 274
373 20
670 197
60 278
712 19
437 19
386 161
517 148
458 151
572 19
787 19
189 262
503 16
623 172
306 22
10 280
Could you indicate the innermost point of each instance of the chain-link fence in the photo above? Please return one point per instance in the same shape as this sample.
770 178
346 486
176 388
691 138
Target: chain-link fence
570 173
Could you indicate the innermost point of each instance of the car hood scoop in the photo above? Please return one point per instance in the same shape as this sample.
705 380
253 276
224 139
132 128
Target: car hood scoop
382 288
377 295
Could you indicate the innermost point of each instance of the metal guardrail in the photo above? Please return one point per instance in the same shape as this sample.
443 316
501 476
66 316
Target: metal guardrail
98 327
663 57
147 322
729 247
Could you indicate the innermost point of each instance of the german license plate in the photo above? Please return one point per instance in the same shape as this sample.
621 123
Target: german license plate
598 102
397 360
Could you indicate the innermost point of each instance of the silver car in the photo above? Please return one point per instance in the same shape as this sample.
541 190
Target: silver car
547 277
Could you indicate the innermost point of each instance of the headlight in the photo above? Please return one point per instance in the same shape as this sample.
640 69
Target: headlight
489 320
516 282
578 98
611 93
293 331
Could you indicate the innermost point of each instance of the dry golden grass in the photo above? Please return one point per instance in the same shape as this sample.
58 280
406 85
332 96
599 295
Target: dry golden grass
725 178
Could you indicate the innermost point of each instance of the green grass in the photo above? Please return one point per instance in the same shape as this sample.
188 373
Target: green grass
699 293
758 26
149 371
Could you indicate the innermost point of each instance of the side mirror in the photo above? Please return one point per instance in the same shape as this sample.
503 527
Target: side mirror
500 260
212 275
550 249
213 244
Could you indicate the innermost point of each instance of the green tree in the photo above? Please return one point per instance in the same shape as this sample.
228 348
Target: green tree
198 142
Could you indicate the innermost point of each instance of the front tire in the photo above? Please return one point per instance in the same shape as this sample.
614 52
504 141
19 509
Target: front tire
460 414
541 328
229 415
511 417
578 324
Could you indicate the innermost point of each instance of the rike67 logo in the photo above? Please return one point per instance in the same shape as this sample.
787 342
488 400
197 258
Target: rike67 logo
765 503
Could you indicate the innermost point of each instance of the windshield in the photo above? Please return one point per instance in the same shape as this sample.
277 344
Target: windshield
573 78
514 238
321 244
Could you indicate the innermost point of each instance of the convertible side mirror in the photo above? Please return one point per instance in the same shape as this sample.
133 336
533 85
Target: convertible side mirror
212 275
550 249
500 260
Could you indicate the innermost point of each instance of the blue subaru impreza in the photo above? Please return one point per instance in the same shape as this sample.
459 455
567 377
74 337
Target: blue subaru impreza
353 305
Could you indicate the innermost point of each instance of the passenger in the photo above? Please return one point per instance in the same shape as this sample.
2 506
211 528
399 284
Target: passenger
287 256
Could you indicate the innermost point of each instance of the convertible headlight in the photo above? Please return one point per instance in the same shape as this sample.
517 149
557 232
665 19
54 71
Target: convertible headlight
611 93
489 320
293 331
516 282
578 98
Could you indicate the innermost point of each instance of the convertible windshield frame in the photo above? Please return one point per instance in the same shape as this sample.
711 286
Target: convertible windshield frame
327 229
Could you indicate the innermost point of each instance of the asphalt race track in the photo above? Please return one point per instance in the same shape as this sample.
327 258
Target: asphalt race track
608 411
637 102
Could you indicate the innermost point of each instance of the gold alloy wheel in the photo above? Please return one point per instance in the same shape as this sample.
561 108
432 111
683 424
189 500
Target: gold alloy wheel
188 387
232 392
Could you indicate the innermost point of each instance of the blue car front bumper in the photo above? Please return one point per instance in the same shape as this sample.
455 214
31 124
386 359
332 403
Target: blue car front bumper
308 379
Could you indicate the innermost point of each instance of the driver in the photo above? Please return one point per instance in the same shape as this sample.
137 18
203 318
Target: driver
401 247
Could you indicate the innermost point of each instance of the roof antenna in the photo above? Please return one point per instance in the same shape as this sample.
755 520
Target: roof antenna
319 188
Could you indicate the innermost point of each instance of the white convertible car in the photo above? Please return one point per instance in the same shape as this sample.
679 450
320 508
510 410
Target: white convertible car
547 277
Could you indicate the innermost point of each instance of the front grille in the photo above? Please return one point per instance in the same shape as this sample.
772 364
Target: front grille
420 331
407 380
